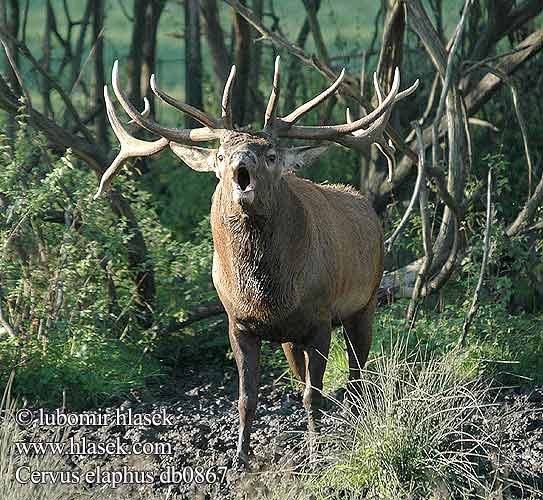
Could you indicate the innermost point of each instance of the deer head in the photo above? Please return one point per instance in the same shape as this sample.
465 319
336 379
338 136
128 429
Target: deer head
251 163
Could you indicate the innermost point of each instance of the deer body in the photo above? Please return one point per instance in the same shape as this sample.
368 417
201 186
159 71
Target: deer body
317 256
289 255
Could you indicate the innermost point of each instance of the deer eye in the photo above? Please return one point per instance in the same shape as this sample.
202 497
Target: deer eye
220 157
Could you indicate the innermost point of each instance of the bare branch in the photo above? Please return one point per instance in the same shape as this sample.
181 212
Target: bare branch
486 252
86 150
311 8
426 230
527 213
50 79
521 121
418 183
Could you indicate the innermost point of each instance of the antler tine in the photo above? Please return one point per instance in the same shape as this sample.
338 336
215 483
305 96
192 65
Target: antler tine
271 109
172 134
130 146
388 150
226 105
357 134
200 116
372 135
407 92
378 87
132 126
293 117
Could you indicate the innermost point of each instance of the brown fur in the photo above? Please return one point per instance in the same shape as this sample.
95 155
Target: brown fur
320 253
287 262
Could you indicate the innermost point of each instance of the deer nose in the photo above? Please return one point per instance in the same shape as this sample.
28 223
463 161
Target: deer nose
242 159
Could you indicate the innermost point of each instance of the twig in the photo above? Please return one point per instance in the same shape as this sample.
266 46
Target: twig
520 118
478 64
390 241
486 252
426 230
125 11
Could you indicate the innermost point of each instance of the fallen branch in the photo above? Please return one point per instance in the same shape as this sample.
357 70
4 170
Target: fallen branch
200 313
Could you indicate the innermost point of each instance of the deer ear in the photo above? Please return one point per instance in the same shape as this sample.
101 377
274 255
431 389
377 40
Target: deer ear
200 159
296 158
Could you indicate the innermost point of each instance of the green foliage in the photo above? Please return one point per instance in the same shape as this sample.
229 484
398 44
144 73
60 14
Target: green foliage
66 282
503 346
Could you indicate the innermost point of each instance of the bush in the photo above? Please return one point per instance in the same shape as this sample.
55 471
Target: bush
415 431
67 286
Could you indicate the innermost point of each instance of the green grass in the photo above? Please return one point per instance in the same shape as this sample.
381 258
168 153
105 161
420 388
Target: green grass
415 431
504 347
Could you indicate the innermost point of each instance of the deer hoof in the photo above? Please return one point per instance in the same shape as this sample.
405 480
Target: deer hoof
241 461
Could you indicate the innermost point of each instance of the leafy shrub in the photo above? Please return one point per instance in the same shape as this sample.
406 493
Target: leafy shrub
66 285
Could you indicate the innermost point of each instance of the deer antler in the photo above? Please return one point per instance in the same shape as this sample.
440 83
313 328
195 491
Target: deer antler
132 147
353 134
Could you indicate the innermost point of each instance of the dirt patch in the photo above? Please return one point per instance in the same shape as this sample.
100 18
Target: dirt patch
204 434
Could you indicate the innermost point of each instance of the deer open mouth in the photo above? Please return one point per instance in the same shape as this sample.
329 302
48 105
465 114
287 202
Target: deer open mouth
243 178
243 186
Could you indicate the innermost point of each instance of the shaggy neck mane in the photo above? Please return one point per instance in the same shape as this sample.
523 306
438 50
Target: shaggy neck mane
257 244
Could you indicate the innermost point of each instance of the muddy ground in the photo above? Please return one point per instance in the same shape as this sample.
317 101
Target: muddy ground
204 433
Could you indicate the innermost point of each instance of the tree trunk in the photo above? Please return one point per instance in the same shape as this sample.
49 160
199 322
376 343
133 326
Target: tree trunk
45 87
135 55
9 20
217 46
193 60
256 110
242 60
390 58
152 19
99 77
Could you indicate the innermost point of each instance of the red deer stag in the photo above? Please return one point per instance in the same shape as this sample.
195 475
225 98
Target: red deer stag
289 255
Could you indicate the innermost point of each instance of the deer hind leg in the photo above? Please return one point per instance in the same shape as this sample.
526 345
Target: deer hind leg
246 348
358 332
296 360
316 354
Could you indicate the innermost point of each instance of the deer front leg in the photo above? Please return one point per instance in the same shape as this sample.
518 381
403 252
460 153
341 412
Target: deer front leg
316 355
246 348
